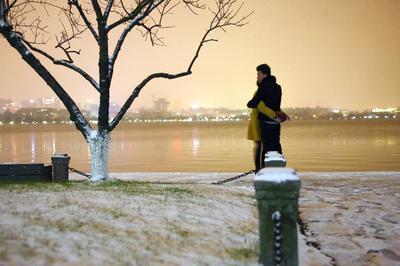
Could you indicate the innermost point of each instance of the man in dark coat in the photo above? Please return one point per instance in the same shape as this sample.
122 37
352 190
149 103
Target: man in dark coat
270 93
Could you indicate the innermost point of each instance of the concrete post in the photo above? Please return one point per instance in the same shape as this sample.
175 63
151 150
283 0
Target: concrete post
60 167
277 192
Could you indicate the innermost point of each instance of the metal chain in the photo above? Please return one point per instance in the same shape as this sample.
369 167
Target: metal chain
233 178
79 172
213 183
276 217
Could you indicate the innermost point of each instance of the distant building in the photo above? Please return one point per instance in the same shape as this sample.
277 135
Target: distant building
31 103
114 109
45 102
91 107
384 110
161 105
5 105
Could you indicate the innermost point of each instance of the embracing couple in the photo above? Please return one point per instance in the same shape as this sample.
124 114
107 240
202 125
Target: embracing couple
266 116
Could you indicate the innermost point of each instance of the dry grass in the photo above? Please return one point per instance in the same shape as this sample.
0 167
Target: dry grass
126 223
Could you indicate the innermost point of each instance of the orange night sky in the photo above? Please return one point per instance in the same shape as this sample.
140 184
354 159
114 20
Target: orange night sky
342 53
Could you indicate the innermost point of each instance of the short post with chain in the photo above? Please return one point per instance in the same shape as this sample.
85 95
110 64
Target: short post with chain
60 167
277 192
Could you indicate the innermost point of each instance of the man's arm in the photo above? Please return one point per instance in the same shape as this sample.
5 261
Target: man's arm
262 108
255 100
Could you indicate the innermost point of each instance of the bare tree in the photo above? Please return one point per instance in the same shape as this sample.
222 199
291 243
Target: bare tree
23 28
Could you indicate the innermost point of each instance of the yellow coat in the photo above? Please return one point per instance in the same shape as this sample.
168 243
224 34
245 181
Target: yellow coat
254 131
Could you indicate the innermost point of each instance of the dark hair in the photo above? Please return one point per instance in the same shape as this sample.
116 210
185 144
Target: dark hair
265 69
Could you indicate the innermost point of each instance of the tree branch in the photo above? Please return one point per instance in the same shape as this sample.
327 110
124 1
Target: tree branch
85 18
151 31
15 41
108 9
97 9
125 33
136 12
223 18
137 90
194 4
65 64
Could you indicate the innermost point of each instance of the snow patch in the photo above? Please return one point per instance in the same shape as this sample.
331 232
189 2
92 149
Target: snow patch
276 175
276 216
93 134
59 155
274 156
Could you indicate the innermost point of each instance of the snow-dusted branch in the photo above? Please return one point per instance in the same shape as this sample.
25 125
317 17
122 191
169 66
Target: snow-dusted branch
108 9
16 42
88 24
65 63
137 14
131 25
137 90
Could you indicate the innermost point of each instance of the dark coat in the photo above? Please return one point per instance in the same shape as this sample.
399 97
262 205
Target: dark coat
270 93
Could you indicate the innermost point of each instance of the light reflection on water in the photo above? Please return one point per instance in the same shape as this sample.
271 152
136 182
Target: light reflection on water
33 147
308 146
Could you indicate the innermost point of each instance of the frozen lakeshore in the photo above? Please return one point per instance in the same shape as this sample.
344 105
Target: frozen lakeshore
179 219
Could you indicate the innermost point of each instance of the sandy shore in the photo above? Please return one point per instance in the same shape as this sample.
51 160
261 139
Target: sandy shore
179 219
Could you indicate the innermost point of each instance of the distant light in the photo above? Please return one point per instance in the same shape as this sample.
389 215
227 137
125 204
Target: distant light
195 106
383 110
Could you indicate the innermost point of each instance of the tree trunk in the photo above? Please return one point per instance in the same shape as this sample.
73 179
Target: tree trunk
99 145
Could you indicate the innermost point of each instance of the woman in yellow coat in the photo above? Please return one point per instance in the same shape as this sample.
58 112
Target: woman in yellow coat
254 132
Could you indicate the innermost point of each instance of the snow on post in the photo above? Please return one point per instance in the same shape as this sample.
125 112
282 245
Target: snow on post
274 159
276 175
277 192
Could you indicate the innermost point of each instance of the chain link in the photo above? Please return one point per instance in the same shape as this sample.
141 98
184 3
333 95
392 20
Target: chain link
276 217
233 178
79 172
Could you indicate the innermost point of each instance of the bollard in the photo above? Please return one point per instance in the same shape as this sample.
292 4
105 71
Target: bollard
277 192
60 167
274 159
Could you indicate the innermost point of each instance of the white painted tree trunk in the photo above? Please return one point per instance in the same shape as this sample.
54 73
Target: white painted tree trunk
99 145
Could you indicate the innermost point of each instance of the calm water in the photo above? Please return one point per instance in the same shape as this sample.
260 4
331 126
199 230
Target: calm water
221 147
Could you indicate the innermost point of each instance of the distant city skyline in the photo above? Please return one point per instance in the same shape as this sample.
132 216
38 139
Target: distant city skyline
343 54
159 105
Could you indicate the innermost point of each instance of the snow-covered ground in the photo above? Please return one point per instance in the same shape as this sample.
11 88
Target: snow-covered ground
179 219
